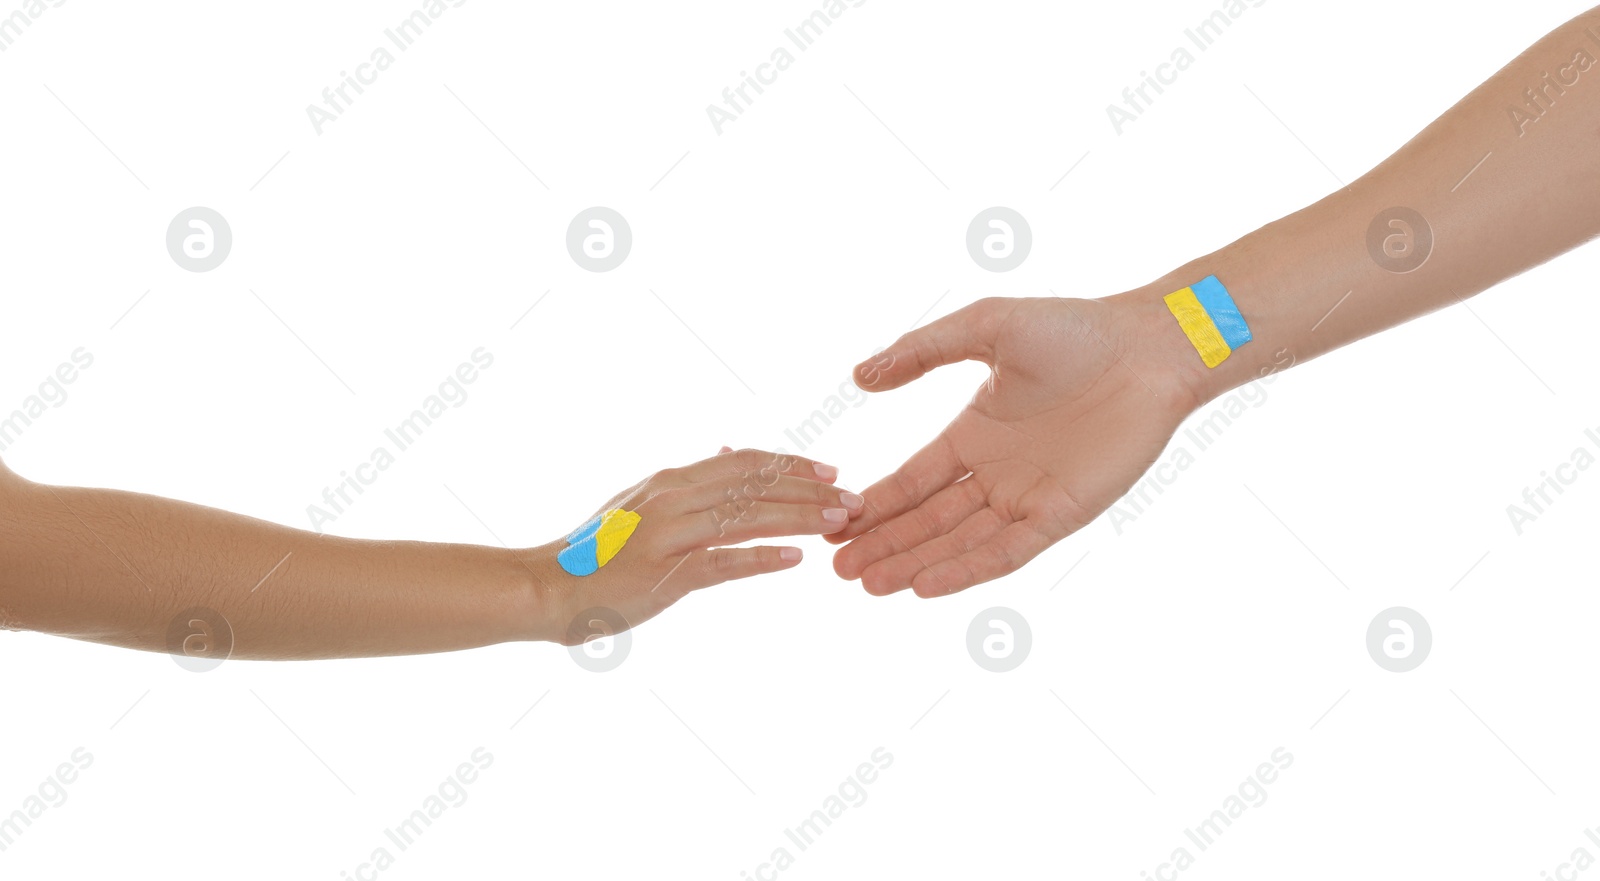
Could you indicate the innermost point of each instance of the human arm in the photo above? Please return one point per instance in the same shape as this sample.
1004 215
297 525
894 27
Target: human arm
1084 394
120 568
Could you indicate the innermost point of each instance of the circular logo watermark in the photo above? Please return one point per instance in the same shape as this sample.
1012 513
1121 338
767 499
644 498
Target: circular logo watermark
599 239
1399 240
999 639
1398 639
199 639
199 239
999 239
599 639
872 371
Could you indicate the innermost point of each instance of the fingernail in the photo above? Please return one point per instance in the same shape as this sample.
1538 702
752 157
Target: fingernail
835 515
789 555
825 472
851 501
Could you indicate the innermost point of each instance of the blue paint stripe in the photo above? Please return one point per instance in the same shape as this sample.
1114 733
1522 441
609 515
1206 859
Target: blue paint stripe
580 558
586 530
1224 314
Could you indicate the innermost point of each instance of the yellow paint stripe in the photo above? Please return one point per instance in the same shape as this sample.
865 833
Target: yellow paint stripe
1198 326
614 530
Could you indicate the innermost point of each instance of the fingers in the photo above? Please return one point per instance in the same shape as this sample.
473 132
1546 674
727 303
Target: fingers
709 568
965 334
731 526
899 572
933 518
929 470
1001 555
732 495
756 462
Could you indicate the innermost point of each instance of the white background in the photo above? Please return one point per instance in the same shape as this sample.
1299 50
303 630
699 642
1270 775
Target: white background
1174 658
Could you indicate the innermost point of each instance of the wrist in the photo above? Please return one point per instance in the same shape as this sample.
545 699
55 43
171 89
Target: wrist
1269 350
540 605
1158 350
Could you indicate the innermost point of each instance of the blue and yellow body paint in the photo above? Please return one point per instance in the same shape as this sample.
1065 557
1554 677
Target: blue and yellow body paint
593 544
1209 319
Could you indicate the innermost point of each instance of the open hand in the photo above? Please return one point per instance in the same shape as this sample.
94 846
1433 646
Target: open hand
687 518
1082 397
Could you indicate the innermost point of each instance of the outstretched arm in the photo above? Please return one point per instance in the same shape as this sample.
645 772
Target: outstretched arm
162 575
1084 394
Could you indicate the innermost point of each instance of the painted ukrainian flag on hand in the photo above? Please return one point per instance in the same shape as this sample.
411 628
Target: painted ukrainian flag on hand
593 544
1209 319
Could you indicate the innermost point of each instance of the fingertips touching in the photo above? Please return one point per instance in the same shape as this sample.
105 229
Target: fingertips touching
929 470
942 513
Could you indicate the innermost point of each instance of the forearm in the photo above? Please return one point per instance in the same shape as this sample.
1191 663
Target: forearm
119 568
1310 282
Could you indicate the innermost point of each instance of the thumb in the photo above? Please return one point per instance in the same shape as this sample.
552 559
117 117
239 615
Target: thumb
967 334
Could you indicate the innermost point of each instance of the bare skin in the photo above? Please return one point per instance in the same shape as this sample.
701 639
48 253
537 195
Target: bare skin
120 568
1085 394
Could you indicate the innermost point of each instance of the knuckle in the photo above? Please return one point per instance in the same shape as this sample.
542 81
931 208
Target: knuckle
723 562
652 542
726 516
1005 559
772 471
656 499
986 306
674 492
905 484
671 502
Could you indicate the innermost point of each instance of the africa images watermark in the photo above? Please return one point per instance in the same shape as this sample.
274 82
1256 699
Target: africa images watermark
452 393
13 25
802 37
851 793
1537 499
1203 434
1252 793
52 393
337 99
753 486
849 396
1539 100
451 793
52 793
1202 36
1581 859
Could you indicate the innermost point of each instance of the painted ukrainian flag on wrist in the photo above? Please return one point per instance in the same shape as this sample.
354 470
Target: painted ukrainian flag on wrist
1209 319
